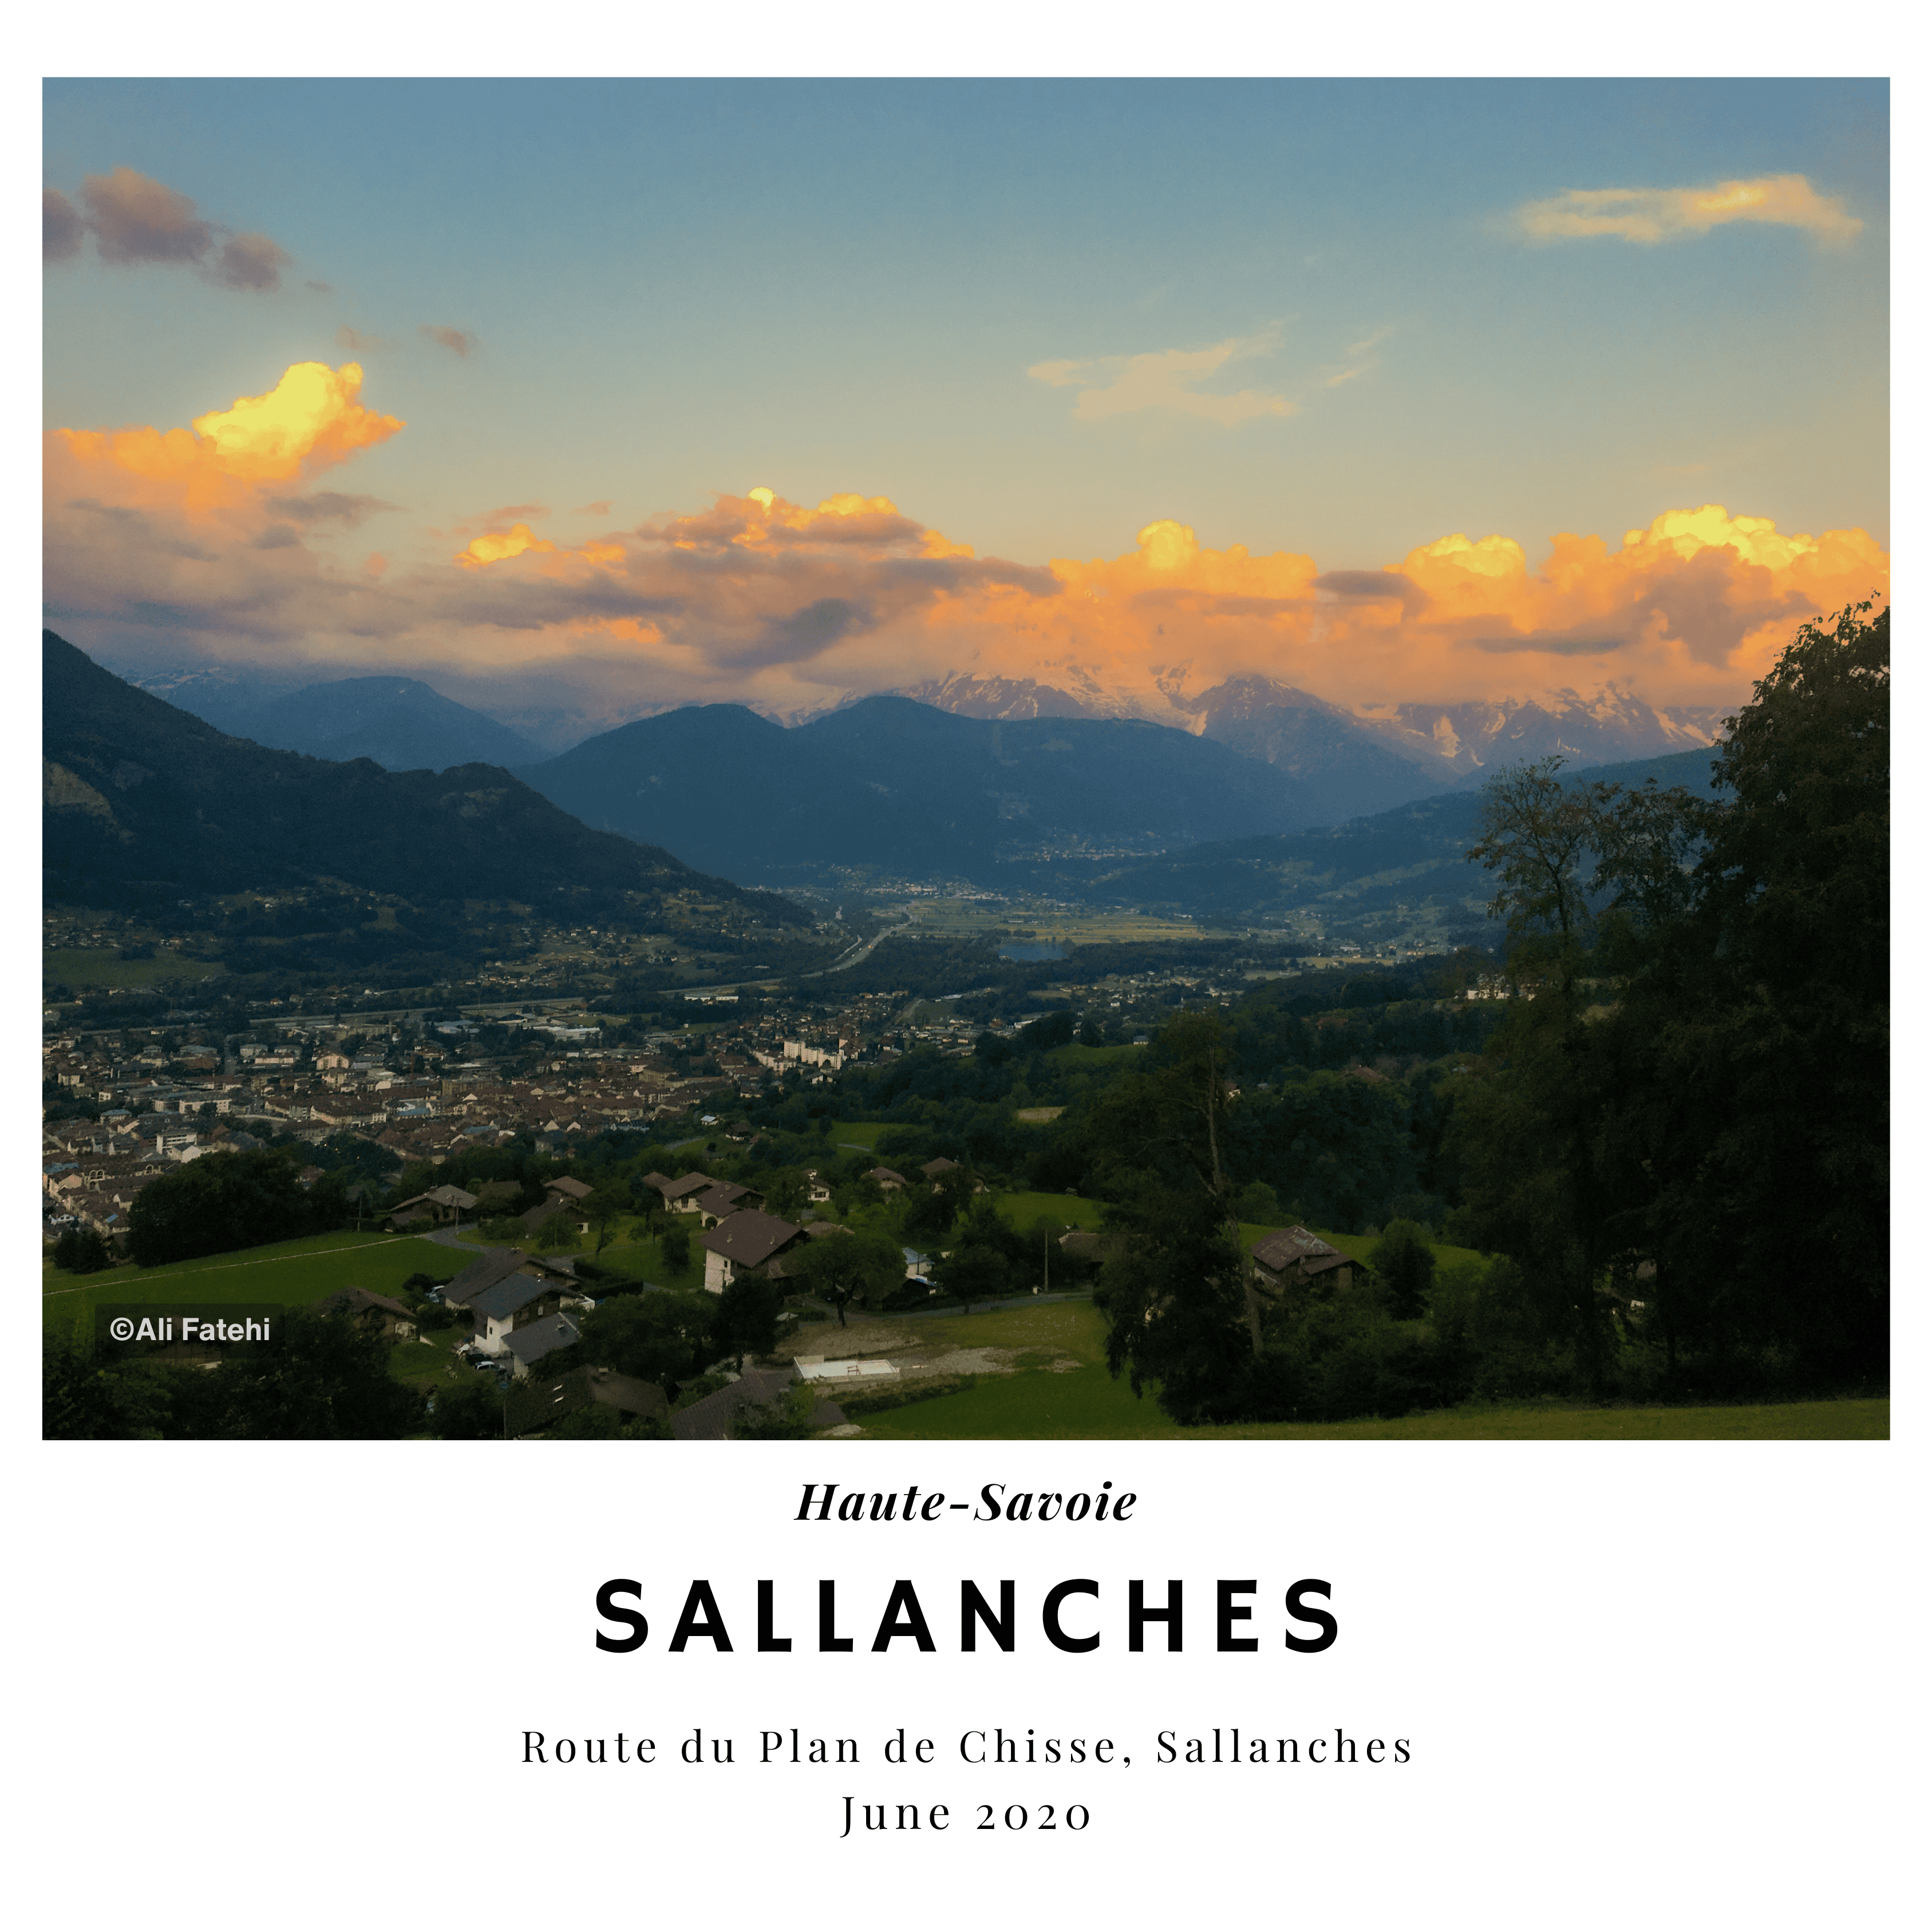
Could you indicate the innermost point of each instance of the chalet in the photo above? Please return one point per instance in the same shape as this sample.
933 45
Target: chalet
887 1179
536 1404
682 1196
499 1265
710 1420
726 1198
743 1243
571 1190
516 1302
528 1345
1294 1255
440 1204
393 1317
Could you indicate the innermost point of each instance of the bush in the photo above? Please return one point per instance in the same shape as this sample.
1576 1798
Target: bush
82 1251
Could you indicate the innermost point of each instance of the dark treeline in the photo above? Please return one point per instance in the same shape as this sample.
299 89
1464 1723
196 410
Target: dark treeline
1673 1152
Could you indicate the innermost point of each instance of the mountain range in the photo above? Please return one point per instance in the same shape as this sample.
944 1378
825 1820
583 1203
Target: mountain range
908 790
144 802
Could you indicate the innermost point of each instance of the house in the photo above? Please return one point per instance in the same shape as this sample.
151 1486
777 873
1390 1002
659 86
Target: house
499 1265
710 1420
815 1190
681 1196
528 1346
440 1204
573 1190
743 1242
887 1178
397 1324
533 1218
515 1302
535 1404
726 1198
933 1169
1294 1255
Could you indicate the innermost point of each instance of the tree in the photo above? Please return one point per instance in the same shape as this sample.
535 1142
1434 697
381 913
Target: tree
662 1336
604 1208
82 1251
1406 1263
747 1317
222 1201
324 1377
676 1248
845 1268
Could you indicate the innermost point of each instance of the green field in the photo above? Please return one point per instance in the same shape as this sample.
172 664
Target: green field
98 966
1023 1210
291 1273
856 1133
1037 1403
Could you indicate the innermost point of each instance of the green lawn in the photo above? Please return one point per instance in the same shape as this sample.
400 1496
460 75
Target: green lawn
857 1133
100 966
1088 1404
291 1273
1023 1210
645 1259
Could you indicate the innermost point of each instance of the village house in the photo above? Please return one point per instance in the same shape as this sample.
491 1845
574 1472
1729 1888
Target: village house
396 1322
743 1243
1294 1255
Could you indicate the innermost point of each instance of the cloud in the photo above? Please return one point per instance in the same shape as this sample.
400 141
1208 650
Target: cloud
1654 214
459 341
328 506
311 420
61 227
163 541
358 344
135 219
1165 379
250 262
601 508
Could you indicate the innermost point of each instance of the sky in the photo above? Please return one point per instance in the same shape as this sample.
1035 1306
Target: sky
579 400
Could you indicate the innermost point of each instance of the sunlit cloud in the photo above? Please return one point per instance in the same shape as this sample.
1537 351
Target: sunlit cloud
1166 379
1654 214
195 540
458 341
135 220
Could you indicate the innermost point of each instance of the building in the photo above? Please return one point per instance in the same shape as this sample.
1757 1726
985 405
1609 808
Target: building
1294 1255
744 1242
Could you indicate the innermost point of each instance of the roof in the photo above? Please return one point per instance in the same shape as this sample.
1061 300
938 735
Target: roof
448 1196
693 1183
1297 1248
933 1168
354 1300
533 1405
659 1181
505 1298
498 1264
884 1174
565 1184
750 1237
722 1198
710 1421
537 1340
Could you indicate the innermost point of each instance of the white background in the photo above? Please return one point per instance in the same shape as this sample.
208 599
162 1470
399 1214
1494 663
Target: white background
1655 1682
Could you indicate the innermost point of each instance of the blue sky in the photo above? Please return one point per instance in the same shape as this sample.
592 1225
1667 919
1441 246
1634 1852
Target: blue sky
677 289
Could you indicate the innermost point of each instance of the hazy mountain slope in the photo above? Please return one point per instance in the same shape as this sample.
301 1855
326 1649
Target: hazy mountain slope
403 725
1349 769
141 798
904 787
1414 852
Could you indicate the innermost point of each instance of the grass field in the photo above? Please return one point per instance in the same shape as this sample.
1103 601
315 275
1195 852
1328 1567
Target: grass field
291 1273
1023 1210
856 1133
99 966
1038 1403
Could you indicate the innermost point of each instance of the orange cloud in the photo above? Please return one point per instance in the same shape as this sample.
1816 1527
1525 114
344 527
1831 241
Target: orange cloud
1654 214
495 545
196 539
310 421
